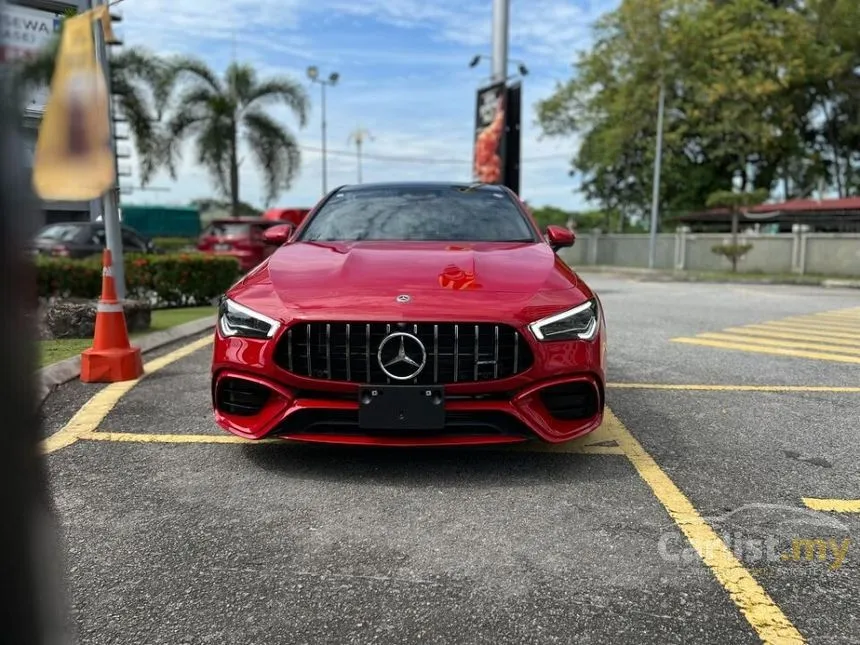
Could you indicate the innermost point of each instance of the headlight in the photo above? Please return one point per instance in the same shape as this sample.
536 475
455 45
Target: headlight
579 323
237 320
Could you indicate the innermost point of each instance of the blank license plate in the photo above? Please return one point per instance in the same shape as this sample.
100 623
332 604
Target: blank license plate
401 407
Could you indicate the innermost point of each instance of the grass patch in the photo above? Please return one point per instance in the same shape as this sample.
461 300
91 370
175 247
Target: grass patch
165 318
53 351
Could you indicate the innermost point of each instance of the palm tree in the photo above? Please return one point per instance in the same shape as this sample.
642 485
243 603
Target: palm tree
138 80
220 112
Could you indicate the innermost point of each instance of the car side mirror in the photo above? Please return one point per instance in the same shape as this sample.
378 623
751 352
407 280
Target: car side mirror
559 237
278 235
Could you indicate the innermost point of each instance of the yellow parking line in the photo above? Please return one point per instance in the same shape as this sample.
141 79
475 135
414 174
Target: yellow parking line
776 351
88 418
733 388
826 323
752 334
833 505
762 613
788 344
801 328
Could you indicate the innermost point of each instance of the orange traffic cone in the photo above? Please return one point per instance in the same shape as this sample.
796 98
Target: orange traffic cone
111 358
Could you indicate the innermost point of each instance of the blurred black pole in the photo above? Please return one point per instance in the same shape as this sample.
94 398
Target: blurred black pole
29 578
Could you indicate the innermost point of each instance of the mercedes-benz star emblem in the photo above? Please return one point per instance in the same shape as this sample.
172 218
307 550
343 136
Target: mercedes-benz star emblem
403 298
401 356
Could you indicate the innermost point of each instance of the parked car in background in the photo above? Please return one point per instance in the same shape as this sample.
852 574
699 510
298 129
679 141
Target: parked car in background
240 237
294 216
78 240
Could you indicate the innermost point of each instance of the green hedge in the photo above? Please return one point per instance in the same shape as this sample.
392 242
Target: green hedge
175 244
177 280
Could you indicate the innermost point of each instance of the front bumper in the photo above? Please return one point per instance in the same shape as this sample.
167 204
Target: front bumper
559 398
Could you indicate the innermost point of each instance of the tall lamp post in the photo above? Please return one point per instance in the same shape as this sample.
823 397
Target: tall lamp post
314 75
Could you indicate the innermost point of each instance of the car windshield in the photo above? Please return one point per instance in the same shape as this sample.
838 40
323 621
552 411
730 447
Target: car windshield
227 229
419 214
59 232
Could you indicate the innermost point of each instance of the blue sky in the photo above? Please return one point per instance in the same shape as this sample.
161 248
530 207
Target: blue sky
404 77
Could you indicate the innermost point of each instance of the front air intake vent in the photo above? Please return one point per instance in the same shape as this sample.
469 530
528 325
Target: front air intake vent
241 397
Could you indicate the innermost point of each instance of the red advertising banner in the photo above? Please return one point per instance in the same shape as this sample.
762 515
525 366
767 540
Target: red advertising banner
489 159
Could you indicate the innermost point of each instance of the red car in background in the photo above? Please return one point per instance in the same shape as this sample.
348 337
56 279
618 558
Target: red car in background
240 237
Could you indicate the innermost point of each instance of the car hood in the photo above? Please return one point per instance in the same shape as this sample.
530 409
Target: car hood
418 267
342 280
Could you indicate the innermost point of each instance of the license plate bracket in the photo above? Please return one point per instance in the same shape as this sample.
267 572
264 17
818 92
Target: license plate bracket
223 247
401 407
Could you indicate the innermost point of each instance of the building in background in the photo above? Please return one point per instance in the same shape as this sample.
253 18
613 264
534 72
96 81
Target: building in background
27 27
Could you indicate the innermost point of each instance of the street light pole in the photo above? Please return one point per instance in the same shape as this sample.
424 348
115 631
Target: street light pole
501 12
313 74
655 193
324 160
109 202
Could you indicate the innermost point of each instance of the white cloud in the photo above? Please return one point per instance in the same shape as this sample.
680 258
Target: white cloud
422 109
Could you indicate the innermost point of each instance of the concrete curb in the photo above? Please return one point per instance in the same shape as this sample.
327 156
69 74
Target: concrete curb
56 374
841 284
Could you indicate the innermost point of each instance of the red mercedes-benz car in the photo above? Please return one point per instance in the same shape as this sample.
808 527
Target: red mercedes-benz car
412 314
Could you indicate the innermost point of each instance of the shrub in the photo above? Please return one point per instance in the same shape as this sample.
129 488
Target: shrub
175 244
733 252
175 280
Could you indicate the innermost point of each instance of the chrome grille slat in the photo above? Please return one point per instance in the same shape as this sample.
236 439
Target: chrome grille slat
477 352
435 353
496 352
348 353
457 352
367 349
310 347
328 350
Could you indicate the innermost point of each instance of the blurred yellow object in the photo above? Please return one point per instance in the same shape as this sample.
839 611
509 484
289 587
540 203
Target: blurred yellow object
73 159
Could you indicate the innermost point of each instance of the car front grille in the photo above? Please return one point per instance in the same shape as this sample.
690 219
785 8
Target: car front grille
455 352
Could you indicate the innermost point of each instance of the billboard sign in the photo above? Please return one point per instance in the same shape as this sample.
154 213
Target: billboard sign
25 32
489 156
513 118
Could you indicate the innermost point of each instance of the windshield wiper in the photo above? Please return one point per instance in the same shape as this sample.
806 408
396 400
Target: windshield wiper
471 187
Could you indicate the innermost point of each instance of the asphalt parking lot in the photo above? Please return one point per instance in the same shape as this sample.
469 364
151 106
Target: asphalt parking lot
719 503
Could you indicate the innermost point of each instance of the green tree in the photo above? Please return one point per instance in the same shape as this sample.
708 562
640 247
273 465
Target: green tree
218 113
761 90
137 81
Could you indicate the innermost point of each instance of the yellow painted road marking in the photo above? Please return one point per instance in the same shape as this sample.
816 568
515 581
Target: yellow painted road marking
814 329
762 613
852 322
838 349
705 387
833 505
90 416
824 336
776 351
768 333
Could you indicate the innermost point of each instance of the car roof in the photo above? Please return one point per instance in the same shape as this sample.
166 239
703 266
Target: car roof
419 184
